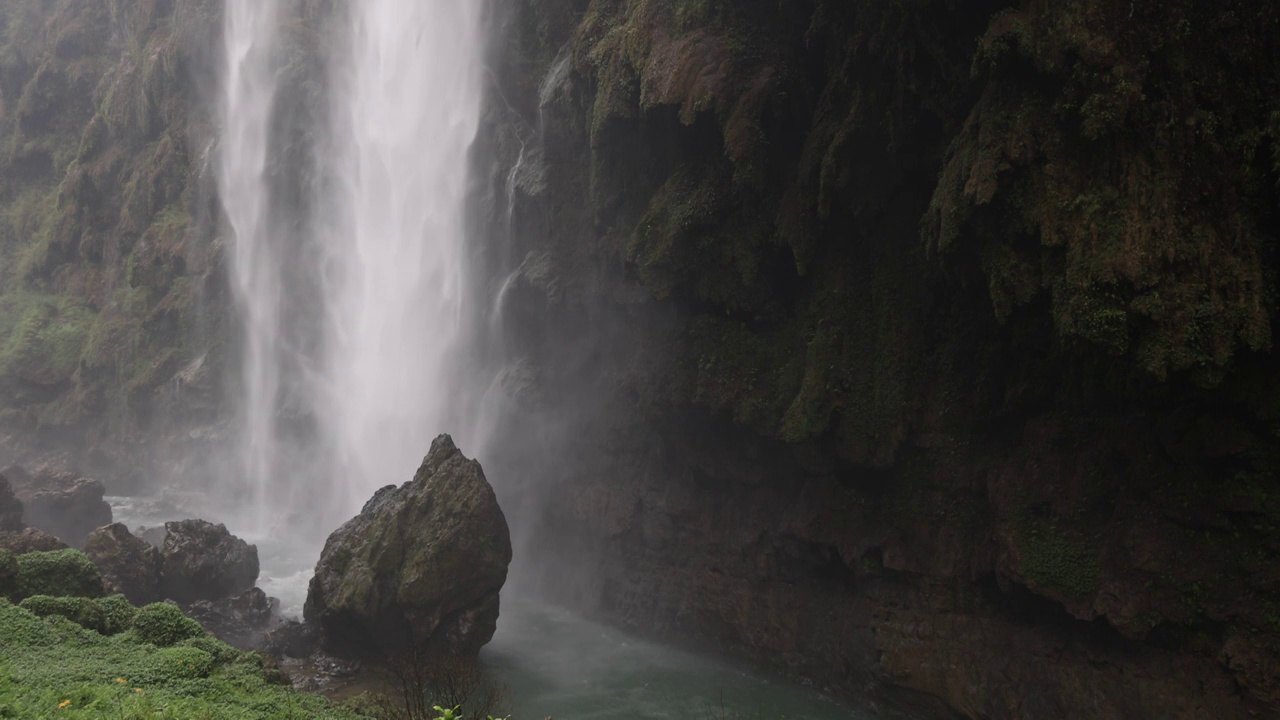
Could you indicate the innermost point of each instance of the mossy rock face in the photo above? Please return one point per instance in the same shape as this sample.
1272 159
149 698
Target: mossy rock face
82 611
420 566
61 573
164 625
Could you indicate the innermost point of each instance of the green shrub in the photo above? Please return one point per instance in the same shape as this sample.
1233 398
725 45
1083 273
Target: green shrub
222 653
53 668
117 613
60 573
8 574
164 625
19 628
81 611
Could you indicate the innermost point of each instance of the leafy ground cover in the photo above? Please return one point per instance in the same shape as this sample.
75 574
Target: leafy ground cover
51 667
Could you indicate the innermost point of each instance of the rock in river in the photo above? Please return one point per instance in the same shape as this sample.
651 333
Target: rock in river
421 565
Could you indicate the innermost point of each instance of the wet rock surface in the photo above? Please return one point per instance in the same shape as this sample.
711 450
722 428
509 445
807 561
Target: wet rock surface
203 561
60 502
242 621
421 565
130 566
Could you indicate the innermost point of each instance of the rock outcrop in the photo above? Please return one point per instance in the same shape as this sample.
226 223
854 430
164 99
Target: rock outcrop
203 561
15 536
242 621
421 564
129 565
30 540
60 502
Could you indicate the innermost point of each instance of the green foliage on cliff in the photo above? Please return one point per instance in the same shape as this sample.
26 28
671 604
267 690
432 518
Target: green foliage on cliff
98 262
1119 161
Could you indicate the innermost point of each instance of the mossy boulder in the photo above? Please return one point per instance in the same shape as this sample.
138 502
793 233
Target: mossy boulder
129 564
164 625
421 565
61 573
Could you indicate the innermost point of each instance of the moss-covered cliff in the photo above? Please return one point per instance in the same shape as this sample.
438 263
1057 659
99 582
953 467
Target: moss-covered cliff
911 332
106 249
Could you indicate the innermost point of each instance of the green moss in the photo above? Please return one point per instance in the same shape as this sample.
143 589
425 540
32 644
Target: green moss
1053 561
1071 160
60 573
163 625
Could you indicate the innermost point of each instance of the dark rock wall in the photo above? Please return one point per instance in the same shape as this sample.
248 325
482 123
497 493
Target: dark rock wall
922 348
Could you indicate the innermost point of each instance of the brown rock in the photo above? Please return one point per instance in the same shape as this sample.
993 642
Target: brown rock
203 561
421 565
61 502
129 565
30 540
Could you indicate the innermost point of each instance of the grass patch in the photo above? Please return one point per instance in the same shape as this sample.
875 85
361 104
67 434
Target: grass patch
53 668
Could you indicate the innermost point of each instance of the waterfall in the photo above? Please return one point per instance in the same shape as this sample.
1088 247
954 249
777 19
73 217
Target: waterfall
378 380
408 110
249 90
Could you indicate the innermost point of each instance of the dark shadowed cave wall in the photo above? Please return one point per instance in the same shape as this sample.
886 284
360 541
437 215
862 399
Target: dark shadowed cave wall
920 348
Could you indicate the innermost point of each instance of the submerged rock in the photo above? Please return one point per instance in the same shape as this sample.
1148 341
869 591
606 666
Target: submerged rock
61 503
421 565
130 566
203 561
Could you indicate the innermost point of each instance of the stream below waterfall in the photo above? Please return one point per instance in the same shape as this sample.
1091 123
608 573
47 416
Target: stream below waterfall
552 662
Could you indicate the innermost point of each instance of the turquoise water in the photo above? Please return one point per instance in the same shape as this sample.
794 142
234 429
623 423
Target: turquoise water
556 663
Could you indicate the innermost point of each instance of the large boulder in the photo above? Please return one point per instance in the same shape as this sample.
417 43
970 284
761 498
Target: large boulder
10 508
203 561
130 566
60 502
421 565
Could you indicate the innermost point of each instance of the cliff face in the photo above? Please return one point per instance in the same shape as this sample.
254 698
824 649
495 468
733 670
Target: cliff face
108 262
923 348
